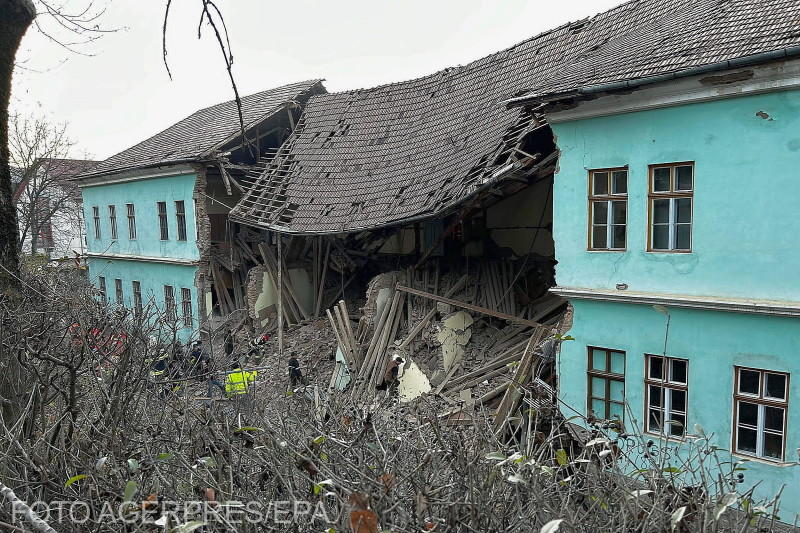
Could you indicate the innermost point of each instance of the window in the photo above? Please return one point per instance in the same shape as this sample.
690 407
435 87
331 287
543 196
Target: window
608 208
180 217
607 383
96 217
169 302
671 189
137 296
101 284
118 292
131 221
112 219
761 400
186 307
666 384
162 220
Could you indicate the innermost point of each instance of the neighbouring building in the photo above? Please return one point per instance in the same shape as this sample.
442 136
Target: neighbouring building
49 208
157 213
675 221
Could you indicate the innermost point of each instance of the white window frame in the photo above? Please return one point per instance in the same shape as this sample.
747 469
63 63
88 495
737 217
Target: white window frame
101 285
119 294
131 213
667 386
169 302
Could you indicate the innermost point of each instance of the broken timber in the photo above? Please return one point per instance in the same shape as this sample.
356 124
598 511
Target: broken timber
464 305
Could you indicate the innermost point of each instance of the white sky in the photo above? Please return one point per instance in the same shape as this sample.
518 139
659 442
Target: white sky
121 95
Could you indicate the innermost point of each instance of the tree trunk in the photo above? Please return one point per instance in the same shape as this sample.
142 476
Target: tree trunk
15 17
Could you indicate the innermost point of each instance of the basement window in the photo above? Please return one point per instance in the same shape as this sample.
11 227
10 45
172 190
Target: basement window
670 211
169 302
180 217
606 395
120 296
186 307
136 288
162 220
761 403
101 285
666 386
608 209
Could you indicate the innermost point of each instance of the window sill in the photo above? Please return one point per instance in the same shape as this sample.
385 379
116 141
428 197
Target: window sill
762 460
668 251
606 250
668 438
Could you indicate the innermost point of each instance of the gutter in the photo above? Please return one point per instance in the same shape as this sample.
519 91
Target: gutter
738 62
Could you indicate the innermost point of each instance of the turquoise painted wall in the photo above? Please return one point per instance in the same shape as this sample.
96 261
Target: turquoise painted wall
152 277
143 194
713 342
747 185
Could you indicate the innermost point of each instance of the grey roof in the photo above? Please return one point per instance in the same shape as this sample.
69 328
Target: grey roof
202 131
372 157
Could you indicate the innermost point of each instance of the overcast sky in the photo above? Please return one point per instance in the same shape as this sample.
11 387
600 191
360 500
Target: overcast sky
121 94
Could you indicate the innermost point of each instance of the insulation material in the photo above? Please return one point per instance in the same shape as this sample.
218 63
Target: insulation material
413 383
453 336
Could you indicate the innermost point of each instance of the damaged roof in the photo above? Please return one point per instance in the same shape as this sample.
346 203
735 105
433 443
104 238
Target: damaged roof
200 133
374 157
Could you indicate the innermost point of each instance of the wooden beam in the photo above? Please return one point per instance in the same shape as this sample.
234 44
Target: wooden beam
463 305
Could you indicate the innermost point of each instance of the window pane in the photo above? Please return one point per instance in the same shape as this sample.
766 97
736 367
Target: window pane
683 237
655 396
600 180
616 410
656 367
618 362
618 212
746 440
661 237
773 446
599 212
599 359
773 418
599 236
619 182
661 211
618 236
683 207
661 179
683 178
678 398
599 408
678 371
775 386
748 381
677 425
654 420
748 413
617 390
598 387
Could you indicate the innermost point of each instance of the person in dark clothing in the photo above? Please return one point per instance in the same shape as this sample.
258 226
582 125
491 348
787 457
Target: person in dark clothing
228 344
295 374
390 381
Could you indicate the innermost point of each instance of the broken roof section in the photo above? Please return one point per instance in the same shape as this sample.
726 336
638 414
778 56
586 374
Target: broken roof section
375 157
199 134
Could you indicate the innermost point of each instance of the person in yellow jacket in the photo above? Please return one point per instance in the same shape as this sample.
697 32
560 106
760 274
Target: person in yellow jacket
238 380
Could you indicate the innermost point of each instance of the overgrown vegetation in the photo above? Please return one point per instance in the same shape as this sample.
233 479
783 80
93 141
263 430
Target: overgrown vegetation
89 425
